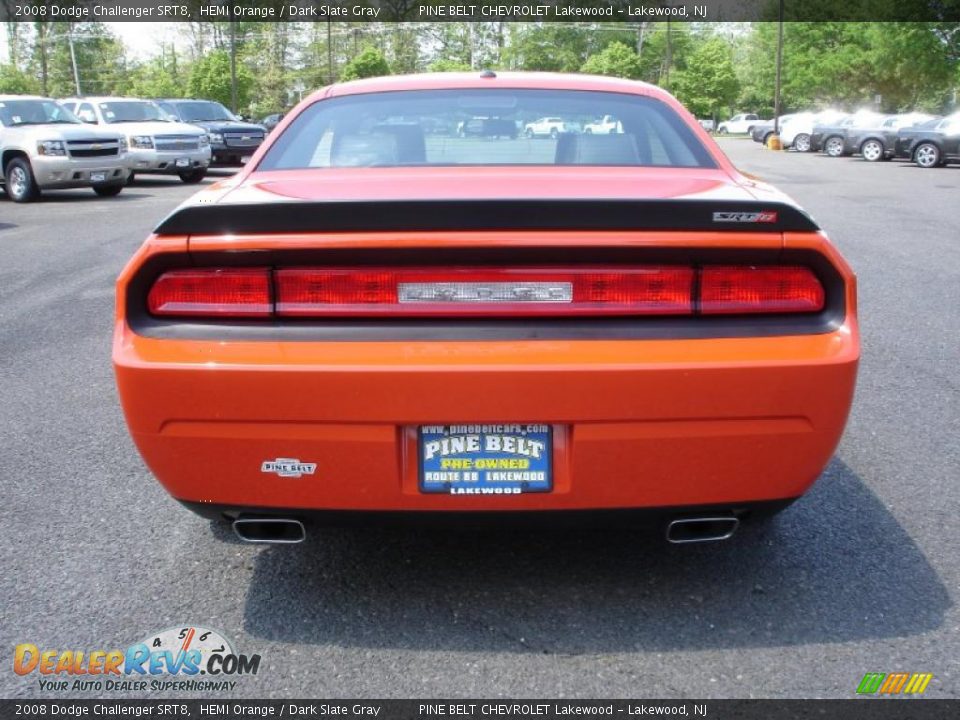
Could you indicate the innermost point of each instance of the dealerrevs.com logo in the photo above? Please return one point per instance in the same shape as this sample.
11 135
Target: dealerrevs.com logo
185 658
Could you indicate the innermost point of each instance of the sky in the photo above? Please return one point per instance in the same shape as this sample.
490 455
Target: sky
142 39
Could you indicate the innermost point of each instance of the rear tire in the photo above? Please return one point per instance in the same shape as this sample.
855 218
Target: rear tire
131 179
722 131
193 176
21 185
801 143
108 190
872 151
927 155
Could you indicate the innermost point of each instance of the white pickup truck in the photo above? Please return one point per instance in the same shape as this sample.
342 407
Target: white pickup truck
545 126
607 126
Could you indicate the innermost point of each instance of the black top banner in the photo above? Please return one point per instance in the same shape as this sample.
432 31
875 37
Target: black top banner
625 11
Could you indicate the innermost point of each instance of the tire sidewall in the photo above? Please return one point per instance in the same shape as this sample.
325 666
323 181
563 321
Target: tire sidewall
937 155
31 190
192 177
864 150
111 190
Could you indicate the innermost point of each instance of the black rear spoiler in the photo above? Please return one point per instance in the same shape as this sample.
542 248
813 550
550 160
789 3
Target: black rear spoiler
428 215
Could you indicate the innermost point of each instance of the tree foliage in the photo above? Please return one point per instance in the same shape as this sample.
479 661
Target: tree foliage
617 59
210 79
369 63
443 65
16 82
158 78
708 86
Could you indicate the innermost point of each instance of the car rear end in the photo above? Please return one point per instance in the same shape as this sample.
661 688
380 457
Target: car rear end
443 340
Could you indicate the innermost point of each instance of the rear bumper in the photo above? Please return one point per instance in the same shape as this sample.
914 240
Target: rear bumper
606 518
652 422
640 423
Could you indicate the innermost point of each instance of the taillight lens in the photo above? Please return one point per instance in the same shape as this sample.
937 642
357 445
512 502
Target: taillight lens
730 289
667 290
215 292
489 292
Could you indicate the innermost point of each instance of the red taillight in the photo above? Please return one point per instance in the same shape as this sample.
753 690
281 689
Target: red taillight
315 292
215 292
490 292
728 289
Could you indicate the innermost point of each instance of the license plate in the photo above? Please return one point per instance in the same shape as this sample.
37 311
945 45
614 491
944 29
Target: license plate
183 162
98 176
485 459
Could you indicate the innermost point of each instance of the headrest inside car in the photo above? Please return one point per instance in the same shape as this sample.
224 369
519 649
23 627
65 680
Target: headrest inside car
364 150
618 149
411 144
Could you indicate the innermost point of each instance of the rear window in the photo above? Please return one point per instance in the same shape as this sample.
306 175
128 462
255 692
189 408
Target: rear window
485 127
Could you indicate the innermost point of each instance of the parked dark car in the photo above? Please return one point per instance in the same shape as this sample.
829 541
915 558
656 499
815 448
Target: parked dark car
487 127
879 141
271 121
762 131
829 137
231 140
872 143
932 143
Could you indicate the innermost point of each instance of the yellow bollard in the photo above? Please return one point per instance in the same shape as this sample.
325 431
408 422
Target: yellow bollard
773 143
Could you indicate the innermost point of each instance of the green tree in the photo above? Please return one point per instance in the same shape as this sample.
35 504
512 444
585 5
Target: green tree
271 57
443 65
16 82
617 59
369 63
708 84
547 47
912 65
159 78
210 79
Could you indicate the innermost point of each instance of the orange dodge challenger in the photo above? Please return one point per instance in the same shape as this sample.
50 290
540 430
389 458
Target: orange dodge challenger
407 302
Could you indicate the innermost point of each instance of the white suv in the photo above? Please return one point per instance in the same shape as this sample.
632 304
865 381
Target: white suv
158 143
44 147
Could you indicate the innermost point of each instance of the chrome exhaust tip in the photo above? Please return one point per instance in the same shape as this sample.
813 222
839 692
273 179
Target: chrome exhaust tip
275 531
702 529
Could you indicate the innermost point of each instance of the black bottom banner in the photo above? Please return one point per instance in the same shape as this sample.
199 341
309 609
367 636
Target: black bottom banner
859 709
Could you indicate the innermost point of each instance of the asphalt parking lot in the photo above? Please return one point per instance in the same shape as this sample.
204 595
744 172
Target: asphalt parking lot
863 574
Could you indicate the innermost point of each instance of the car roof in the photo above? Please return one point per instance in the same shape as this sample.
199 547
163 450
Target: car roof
474 80
23 97
104 98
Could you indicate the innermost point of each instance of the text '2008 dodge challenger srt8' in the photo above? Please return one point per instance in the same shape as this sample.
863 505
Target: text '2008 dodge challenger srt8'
378 315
